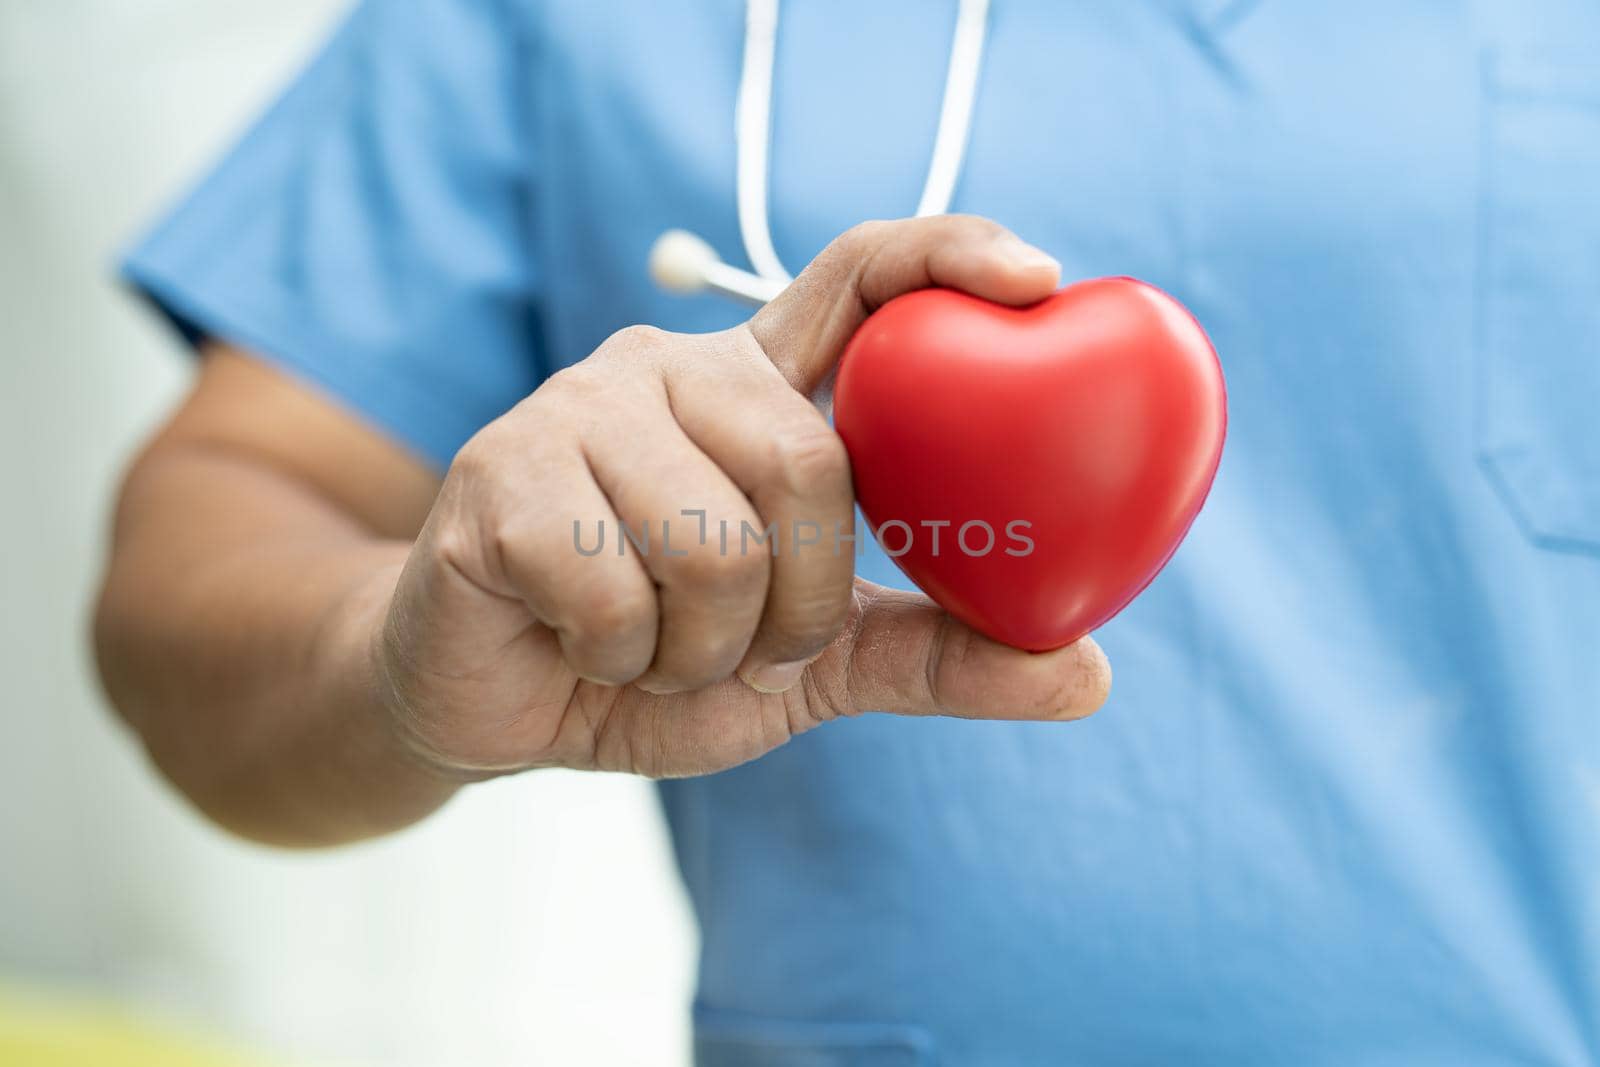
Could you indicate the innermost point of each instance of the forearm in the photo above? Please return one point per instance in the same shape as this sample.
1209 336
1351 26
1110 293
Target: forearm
234 633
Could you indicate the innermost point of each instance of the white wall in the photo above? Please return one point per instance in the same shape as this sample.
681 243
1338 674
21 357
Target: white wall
534 921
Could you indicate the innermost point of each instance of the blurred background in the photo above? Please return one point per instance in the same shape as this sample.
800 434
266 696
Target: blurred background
537 920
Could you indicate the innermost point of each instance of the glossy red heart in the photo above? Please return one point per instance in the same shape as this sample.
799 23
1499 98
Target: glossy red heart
1095 417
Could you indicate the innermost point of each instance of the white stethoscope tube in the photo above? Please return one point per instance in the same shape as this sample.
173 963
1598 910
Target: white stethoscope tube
685 263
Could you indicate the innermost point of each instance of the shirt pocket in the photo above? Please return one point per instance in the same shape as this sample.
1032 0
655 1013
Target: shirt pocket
1538 376
725 1039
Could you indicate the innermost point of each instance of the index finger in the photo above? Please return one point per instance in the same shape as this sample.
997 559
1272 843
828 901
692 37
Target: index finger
805 328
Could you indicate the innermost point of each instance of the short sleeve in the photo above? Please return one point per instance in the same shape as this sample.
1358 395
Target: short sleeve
370 234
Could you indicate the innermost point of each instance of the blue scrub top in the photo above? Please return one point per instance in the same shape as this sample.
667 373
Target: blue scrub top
1344 804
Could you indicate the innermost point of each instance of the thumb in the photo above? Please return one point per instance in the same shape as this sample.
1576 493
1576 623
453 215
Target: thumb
902 653
805 328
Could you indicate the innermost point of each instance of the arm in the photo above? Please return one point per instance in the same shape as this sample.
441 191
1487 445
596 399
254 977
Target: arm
256 543
313 661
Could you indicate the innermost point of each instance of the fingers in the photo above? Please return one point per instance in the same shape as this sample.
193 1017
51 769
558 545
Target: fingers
547 535
690 522
805 328
782 453
698 436
903 654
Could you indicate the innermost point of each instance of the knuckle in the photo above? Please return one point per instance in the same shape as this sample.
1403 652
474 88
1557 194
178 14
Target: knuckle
478 460
947 661
462 533
723 575
451 547
490 471
502 540
861 237
502 545
609 615
575 384
808 453
601 665
634 339
701 659
621 363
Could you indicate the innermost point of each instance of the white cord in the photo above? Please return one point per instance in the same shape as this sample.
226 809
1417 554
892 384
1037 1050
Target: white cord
753 125
955 114
753 137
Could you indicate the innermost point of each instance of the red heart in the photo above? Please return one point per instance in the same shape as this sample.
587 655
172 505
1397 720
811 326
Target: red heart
1095 416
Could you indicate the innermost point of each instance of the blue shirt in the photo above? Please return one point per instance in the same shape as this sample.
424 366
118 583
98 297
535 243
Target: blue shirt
1344 804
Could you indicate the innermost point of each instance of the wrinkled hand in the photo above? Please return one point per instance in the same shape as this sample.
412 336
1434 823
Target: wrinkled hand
510 643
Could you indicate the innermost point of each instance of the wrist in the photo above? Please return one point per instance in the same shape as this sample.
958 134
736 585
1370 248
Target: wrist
382 669
397 763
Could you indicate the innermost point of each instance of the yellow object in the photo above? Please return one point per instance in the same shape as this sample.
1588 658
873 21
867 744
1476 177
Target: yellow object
50 1030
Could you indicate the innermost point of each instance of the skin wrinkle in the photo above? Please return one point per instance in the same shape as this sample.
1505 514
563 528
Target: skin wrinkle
865 598
606 728
780 729
803 705
565 636
577 707
938 662
421 674
864 305
453 552
398 685
405 722
1079 688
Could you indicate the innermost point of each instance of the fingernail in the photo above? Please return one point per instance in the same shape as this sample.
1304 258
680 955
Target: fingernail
1023 255
1033 259
775 677
656 686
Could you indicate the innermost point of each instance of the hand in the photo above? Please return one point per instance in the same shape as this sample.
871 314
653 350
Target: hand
506 647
